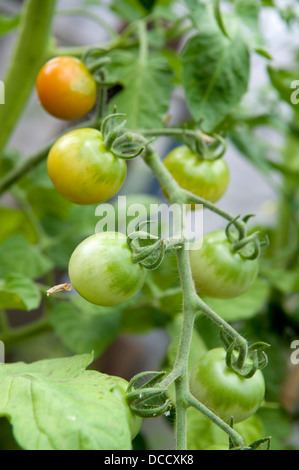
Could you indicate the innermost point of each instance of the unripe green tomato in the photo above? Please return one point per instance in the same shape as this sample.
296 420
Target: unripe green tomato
134 421
224 391
102 271
217 270
83 170
208 179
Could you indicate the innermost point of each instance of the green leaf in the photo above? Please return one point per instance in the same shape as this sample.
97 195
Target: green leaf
175 64
19 292
57 405
129 10
8 23
285 281
47 201
252 148
262 52
147 92
99 324
148 4
14 221
276 423
282 80
248 10
19 256
218 16
243 307
215 75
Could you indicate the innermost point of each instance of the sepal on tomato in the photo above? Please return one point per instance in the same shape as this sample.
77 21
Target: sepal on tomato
123 144
247 360
149 399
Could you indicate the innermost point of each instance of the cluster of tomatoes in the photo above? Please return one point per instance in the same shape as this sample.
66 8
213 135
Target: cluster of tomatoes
101 268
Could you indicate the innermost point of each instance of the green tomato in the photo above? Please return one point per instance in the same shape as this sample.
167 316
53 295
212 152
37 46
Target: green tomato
102 271
203 433
222 390
208 179
83 170
134 421
217 270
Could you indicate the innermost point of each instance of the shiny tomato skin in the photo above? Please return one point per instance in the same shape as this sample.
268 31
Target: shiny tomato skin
66 89
217 270
205 178
83 170
222 390
102 271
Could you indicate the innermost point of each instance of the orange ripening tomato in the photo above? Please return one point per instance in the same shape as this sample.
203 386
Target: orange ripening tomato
65 88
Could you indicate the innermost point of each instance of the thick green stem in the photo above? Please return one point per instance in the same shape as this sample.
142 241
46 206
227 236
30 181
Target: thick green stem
181 363
29 54
236 438
191 305
176 133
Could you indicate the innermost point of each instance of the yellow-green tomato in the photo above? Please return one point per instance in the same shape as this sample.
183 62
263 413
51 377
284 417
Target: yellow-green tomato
83 170
102 271
224 391
217 270
208 179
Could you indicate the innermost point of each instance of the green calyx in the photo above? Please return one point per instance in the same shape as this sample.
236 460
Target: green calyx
249 246
244 360
124 144
148 399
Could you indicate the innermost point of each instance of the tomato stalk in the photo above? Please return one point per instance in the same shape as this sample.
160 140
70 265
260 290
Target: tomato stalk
191 305
176 133
30 52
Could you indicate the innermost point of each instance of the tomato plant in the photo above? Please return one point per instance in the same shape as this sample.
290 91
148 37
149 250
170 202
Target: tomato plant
83 170
224 391
185 99
218 271
102 271
208 179
65 88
